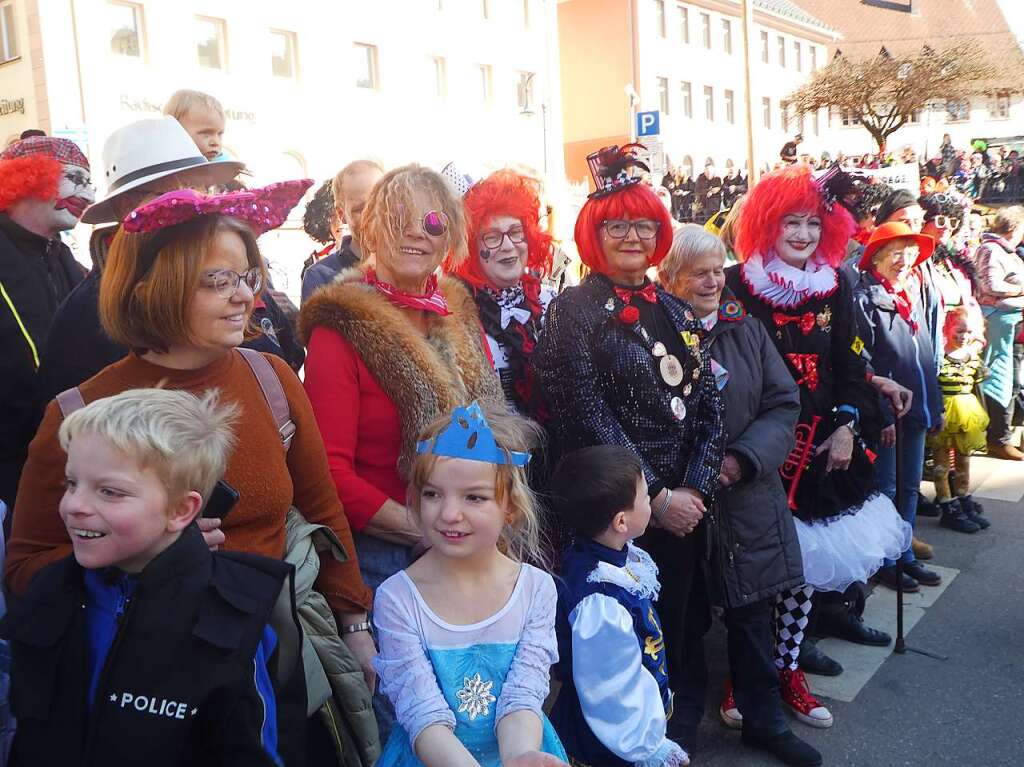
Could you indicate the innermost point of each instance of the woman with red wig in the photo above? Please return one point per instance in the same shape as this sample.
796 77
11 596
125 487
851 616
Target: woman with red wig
791 238
621 362
508 255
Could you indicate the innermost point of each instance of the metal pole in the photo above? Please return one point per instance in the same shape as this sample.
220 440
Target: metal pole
901 645
748 23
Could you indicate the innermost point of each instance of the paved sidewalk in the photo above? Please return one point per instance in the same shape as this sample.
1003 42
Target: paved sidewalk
910 709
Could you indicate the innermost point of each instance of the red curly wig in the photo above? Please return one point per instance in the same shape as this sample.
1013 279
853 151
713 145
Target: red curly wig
790 190
634 202
35 176
503 193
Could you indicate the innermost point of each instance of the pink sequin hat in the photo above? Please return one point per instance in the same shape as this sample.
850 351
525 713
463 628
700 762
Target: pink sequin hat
262 209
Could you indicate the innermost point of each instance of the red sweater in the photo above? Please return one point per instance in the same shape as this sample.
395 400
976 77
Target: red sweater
359 424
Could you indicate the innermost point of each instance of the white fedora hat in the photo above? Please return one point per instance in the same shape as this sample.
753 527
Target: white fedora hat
151 149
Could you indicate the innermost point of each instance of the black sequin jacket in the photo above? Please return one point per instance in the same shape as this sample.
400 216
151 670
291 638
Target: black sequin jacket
603 386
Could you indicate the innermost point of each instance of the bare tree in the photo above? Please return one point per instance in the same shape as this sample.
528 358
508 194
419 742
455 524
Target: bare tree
885 91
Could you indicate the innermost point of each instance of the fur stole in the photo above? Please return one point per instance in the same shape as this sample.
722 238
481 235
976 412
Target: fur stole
425 377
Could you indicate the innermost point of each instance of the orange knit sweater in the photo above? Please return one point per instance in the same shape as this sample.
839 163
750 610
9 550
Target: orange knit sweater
268 481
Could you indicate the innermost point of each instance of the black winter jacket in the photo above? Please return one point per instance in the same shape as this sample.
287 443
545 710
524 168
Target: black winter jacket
35 275
754 548
188 636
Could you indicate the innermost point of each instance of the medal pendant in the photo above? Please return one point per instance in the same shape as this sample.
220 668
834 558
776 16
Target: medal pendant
687 389
696 373
659 349
678 408
671 370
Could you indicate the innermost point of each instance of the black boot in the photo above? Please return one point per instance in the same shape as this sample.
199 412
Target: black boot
837 620
926 508
955 518
786 747
974 511
814 661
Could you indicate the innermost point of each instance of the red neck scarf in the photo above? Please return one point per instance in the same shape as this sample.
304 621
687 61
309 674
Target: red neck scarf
430 301
646 292
903 303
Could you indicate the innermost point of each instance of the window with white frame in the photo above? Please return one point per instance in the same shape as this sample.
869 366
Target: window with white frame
663 95
764 47
659 17
438 80
485 79
709 103
524 91
798 56
813 53
125 23
705 29
211 42
958 111
526 13
686 90
780 41
684 23
999 106
784 115
849 118
727 35
730 107
815 125
364 60
766 112
283 56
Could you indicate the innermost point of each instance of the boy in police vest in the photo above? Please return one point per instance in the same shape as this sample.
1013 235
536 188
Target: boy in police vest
144 647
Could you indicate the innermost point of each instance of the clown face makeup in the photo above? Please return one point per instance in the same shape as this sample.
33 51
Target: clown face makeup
75 193
503 251
799 234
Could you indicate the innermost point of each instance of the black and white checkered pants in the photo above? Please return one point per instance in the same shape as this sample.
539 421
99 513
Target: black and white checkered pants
792 612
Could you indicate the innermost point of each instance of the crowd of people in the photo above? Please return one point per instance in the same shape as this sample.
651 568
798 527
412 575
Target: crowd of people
979 173
488 489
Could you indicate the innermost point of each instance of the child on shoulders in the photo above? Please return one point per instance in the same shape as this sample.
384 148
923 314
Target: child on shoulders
143 647
614 704
466 633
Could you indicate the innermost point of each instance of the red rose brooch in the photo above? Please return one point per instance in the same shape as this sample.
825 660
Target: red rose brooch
629 315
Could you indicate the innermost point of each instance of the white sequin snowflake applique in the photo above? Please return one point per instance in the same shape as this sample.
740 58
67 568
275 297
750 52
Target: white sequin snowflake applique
475 696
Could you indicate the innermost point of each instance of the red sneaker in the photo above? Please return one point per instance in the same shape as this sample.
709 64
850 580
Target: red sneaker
731 716
797 695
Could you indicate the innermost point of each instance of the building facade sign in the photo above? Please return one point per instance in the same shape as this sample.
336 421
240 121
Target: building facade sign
12 106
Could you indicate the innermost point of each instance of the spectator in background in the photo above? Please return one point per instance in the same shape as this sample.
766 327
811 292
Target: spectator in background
707 193
351 189
950 161
44 187
1000 275
202 116
789 150
320 221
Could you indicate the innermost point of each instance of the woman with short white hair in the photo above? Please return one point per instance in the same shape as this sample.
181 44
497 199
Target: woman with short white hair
755 554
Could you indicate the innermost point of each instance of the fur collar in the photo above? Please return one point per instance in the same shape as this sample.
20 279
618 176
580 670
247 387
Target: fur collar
425 377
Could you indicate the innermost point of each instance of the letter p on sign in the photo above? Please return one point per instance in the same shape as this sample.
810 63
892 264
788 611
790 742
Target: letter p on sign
648 124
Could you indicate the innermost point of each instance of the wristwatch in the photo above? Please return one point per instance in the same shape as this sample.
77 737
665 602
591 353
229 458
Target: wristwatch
356 627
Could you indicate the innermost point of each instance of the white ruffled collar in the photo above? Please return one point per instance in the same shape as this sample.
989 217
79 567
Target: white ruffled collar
639 576
781 285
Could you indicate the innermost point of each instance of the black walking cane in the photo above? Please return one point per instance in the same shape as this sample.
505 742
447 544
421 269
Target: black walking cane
901 647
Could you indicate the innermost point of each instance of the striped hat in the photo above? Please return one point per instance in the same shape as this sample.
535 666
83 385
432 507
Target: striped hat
60 149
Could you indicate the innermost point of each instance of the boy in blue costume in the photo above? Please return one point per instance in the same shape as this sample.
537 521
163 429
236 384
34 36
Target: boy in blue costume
615 701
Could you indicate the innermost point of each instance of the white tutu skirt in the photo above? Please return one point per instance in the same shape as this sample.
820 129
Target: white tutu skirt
848 548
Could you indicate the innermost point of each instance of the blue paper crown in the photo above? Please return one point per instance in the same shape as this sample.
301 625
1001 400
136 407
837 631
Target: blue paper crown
470 437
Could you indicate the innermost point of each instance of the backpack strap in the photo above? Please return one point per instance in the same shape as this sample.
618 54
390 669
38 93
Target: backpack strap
270 383
70 400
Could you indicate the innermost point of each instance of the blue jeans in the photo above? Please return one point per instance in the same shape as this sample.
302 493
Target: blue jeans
912 449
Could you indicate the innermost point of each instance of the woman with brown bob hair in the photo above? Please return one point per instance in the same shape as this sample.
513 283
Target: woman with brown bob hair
391 347
178 289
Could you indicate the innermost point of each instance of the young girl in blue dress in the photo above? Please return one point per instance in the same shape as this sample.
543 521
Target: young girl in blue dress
467 633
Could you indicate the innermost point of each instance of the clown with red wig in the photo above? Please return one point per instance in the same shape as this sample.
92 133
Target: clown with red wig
791 239
44 188
622 362
509 253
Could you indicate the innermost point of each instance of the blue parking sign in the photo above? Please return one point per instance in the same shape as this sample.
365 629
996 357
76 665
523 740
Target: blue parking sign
648 123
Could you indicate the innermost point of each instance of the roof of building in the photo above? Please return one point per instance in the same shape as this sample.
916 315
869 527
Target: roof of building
790 10
867 25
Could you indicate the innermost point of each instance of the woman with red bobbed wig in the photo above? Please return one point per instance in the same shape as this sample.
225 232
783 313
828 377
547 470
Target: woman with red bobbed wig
790 240
508 255
622 362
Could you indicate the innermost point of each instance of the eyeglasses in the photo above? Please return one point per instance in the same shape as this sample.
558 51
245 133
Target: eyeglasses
645 228
226 281
947 222
493 239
